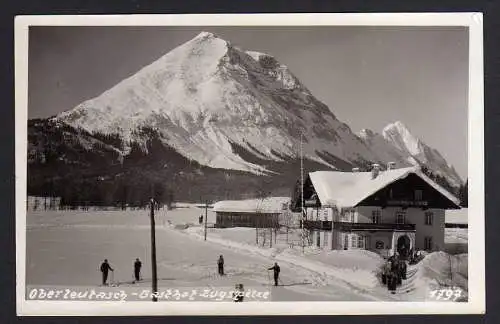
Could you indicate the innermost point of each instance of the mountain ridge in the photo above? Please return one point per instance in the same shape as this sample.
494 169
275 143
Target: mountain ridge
222 111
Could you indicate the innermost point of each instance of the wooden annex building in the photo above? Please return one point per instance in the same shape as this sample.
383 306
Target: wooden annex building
260 213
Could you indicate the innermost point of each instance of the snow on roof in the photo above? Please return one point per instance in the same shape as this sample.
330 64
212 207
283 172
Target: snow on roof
266 205
357 186
457 216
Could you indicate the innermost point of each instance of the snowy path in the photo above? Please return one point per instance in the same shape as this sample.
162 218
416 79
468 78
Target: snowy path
69 255
328 271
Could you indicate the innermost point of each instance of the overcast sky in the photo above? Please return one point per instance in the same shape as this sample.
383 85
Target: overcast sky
368 76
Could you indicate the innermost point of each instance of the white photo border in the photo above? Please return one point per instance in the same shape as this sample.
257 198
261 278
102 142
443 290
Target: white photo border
476 242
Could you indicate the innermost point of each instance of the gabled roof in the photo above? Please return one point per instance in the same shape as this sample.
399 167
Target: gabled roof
266 205
347 189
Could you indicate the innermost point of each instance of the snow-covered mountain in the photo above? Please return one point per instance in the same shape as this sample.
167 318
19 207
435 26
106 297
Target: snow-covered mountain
398 144
227 108
384 149
419 153
206 95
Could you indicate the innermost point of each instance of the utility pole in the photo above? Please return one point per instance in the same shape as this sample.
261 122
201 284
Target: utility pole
302 193
334 237
153 247
318 230
206 216
271 237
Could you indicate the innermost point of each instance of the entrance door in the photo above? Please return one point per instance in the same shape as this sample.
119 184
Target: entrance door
368 242
403 246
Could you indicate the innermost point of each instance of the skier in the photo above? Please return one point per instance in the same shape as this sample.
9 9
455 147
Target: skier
276 270
220 265
137 269
200 219
105 267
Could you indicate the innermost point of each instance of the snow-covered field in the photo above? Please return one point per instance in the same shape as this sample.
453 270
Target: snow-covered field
456 238
458 216
65 248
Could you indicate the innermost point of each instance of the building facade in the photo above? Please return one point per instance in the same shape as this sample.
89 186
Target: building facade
398 210
42 203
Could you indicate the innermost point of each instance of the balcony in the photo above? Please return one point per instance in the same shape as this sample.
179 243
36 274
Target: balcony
347 227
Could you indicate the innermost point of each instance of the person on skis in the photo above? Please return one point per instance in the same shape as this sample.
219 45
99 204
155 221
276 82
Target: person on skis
105 267
200 219
276 271
220 265
137 269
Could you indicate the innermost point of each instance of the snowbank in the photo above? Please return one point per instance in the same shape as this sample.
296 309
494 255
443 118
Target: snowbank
357 268
440 269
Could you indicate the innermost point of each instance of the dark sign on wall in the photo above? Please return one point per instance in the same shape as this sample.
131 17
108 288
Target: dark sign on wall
410 203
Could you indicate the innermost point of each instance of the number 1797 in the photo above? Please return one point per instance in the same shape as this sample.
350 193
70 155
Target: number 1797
446 294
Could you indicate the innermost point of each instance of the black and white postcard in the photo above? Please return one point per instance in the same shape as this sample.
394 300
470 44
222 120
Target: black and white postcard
250 164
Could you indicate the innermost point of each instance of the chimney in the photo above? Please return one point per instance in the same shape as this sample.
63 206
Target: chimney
375 170
355 170
391 165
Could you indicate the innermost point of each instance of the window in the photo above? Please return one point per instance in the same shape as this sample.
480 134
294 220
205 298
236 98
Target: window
357 241
352 216
400 217
348 215
418 195
376 216
428 243
429 218
354 241
361 242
